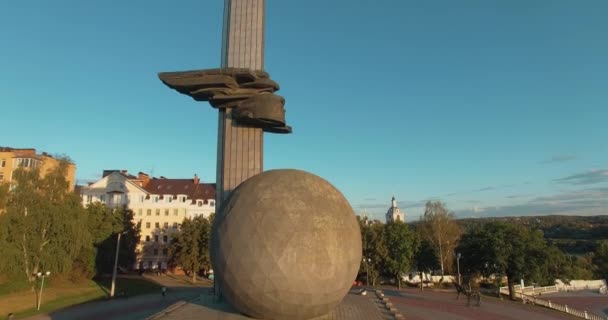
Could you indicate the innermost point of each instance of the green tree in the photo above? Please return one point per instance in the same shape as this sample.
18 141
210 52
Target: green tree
500 249
190 247
600 259
42 224
4 187
104 224
400 244
374 250
425 258
441 231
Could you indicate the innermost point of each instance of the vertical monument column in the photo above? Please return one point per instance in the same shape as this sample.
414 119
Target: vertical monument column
240 148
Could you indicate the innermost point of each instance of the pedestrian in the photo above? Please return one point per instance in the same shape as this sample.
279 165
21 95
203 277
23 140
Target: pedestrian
164 291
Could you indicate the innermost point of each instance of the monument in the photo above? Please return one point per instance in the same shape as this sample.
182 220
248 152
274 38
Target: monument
285 243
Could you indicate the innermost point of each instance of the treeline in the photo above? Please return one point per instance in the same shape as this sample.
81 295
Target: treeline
493 249
44 227
577 235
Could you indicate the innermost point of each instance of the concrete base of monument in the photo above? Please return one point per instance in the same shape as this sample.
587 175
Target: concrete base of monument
354 307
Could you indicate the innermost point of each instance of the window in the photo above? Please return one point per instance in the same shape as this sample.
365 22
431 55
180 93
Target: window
155 199
155 252
166 212
1 176
155 238
102 198
174 225
158 212
157 225
2 163
147 225
170 199
139 212
89 198
165 239
149 212
165 251
200 203
147 238
175 212
212 203
183 199
166 225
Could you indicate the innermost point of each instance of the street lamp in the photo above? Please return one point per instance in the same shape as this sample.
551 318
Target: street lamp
41 275
458 256
115 265
367 261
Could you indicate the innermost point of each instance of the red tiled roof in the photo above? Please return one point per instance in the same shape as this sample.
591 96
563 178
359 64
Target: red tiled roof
203 191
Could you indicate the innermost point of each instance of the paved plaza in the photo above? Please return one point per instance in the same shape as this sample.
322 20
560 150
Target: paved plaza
353 307
428 304
412 303
188 302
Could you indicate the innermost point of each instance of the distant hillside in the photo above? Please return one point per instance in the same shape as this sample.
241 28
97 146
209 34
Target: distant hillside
572 234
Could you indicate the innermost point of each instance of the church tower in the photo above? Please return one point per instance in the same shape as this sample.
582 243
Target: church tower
394 214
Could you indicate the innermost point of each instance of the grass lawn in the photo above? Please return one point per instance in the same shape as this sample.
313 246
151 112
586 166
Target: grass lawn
58 297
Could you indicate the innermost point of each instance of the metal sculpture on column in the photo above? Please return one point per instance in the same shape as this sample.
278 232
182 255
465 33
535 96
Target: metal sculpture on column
285 243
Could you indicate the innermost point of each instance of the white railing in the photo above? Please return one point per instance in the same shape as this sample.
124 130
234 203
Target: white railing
530 290
563 308
531 298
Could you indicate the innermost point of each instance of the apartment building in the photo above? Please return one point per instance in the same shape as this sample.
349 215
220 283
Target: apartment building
12 158
159 204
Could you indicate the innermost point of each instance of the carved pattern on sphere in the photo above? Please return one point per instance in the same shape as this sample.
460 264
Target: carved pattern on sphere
250 94
285 245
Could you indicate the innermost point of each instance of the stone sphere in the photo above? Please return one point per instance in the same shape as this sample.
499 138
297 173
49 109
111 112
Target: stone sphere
285 245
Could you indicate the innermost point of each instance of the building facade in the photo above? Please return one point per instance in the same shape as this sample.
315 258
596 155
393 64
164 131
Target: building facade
11 159
158 204
394 214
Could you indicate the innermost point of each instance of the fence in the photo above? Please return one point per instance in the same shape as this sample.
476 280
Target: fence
531 290
560 307
598 285
530 293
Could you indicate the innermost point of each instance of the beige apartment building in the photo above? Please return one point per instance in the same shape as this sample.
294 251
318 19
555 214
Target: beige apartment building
12 158
159 204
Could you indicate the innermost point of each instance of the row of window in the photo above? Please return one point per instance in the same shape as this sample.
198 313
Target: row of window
165 225
27 162
157 212
165 251
118 198
156 238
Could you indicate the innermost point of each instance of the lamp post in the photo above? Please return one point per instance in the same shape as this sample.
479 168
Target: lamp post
115 264
458 256
366 261
42 276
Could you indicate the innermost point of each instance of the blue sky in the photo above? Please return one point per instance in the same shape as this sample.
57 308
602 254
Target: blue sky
494 107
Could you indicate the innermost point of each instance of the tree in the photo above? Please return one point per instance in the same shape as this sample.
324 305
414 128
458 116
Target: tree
190 248
499 249
401 245
104 224
42 224
425 259
374 250
600 259
441 231
4 187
